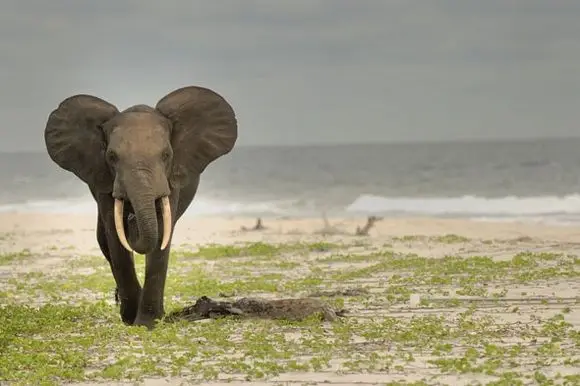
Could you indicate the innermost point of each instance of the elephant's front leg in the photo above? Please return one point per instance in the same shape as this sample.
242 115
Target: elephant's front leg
122 264
151 306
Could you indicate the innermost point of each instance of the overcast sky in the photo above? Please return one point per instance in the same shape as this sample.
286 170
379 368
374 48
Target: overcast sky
303 71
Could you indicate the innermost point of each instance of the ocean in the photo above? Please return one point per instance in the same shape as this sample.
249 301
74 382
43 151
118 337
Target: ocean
536 180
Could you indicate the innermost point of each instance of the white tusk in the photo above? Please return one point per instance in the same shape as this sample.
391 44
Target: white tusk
119 224
166 221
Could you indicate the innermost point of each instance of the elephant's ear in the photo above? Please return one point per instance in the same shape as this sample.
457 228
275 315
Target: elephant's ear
75 141
204 129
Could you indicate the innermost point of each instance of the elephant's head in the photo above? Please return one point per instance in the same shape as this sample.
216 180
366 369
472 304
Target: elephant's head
141 154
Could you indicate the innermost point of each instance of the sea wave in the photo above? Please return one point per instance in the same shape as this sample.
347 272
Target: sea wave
560 210
69 205
199 206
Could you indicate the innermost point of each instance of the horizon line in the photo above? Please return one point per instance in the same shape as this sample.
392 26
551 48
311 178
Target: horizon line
372 143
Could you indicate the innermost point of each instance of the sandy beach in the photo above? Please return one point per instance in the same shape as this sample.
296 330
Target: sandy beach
39 231
529 278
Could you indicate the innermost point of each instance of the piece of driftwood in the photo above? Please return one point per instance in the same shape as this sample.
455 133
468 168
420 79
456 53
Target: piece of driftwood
331 230
258 227
364 231
293 309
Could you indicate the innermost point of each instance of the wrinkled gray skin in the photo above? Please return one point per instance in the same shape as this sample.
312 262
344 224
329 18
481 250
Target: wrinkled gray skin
139 156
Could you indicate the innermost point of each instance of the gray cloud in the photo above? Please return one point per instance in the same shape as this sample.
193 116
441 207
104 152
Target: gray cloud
304 71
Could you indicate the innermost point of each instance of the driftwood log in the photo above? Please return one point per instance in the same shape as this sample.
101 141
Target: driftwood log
289 309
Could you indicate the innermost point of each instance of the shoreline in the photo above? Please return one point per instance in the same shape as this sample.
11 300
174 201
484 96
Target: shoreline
541 210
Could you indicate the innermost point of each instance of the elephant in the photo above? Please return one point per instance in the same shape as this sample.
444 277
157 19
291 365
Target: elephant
142 166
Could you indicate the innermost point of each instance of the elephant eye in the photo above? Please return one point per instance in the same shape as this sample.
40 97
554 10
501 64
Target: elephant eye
165 155
112 157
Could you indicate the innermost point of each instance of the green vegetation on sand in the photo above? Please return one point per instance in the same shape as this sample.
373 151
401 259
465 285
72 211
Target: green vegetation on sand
412 319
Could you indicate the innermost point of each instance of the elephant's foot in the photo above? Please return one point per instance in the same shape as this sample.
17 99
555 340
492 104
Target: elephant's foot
128 312
148 319
149 315
129 308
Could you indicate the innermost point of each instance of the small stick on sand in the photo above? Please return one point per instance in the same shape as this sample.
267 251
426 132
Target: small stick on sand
340 292
364 231
328 229
257 227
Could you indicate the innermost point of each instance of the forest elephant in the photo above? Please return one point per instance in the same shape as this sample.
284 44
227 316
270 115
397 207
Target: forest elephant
142 166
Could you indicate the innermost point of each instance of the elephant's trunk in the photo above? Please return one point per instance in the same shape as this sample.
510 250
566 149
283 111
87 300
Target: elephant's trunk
143 193
146 216
167 225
